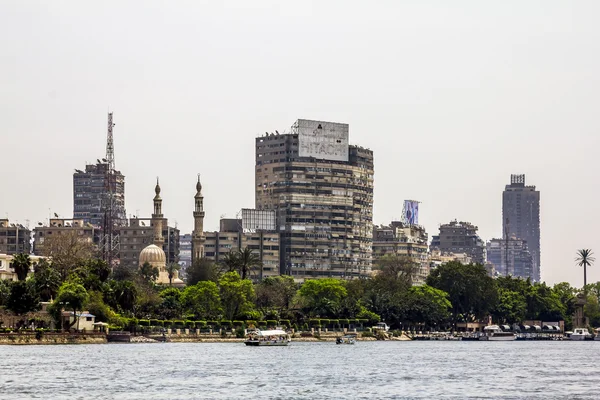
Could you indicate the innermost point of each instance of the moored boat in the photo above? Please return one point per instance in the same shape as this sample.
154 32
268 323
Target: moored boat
275 337
495 334
581 334
346 339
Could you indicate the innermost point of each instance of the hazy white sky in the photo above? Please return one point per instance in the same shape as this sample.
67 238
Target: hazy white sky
452 97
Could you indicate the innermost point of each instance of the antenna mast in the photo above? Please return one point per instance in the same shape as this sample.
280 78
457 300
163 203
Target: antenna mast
110 240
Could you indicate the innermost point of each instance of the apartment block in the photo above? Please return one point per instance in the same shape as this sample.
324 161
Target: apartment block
14 238
460 237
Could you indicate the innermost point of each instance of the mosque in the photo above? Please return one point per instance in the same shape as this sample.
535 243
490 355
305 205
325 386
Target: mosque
154 254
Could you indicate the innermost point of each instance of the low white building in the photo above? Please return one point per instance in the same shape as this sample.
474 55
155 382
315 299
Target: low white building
6 270
86 320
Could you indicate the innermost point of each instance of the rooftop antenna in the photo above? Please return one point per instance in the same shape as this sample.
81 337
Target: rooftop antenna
110 240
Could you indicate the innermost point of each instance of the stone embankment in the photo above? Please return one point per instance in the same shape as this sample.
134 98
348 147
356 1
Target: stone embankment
51 338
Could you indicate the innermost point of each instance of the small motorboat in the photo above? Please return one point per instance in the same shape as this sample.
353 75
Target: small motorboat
495 333
581 334
275 337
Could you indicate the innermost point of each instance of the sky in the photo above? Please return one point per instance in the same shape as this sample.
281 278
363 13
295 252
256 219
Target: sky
452 97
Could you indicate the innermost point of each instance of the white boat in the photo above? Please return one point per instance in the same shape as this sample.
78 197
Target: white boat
346 339
581 334
275 337
495 334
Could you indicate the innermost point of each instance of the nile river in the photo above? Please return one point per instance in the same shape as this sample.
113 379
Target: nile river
367 370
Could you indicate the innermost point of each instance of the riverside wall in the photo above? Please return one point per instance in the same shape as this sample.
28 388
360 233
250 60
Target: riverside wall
50 338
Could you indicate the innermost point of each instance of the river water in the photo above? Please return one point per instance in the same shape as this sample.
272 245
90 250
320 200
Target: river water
367 370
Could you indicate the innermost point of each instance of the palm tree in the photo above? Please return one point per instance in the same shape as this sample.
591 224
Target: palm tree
230 261
247 260
584 259
21 264
171 270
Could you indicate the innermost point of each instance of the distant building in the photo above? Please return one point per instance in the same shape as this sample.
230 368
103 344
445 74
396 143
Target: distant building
321 189
403 240
510 257
90 188
231 237
460 237
60 226
139 233
437 258
185 250
14 238
6 270
521 218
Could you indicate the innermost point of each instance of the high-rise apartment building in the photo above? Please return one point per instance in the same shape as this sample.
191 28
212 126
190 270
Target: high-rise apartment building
14 238
403 240
321 189
521 217
460 237
90 191
510 257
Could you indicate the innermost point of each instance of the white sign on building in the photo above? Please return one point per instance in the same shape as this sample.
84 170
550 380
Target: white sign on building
322 140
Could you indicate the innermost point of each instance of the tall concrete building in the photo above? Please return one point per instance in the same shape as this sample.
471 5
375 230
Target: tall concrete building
90 190
403 240
232 236
521 217
510 257
460 237
62 226
185 251
321 190
14 238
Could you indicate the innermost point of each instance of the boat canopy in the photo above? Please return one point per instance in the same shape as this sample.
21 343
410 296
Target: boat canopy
491 328
273 332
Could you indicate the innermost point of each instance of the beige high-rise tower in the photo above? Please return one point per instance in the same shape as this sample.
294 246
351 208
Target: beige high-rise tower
198 237
157 218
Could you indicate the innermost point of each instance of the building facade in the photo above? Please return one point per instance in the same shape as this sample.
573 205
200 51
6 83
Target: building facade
90 192
510 257
321 190
460 237
185 251
521 218
403 240
6 270
231 237
14 238
61 226
139 233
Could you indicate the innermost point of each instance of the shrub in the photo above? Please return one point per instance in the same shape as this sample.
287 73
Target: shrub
238 323
225 323
214 324
240 332
271 322
367 333
200 324
325 322
168 323
144 322
251 323
189 324
156 322
262 323
285 322
314 321
344 322
178 324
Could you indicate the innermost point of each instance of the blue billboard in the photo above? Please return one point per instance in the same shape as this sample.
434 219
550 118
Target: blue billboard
411 212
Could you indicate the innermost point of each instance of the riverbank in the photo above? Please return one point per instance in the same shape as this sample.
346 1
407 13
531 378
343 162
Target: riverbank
50 338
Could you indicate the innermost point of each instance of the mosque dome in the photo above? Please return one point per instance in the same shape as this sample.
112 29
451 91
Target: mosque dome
153 255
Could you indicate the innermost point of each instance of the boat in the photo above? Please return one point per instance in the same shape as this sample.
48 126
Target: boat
581 334
493 333
275 337
346 339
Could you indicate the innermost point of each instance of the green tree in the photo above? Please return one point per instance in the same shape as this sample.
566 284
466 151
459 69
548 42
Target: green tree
510 308
471 291
170 306
428 305
47 280
121 295
72 296
68 251
544 304
568 296
585 259
322 297
21 263
148 272
4 291
172 269
275 293
203 300
247 262
202 270
237 294
22 298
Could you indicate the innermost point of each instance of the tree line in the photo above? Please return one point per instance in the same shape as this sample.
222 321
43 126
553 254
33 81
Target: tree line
453 293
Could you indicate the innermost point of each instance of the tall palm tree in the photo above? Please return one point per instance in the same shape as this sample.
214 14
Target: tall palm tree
585 259
230 261
21 263
247 260
171 268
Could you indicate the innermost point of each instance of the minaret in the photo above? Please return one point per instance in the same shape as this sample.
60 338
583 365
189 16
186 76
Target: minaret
198 234
157 218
